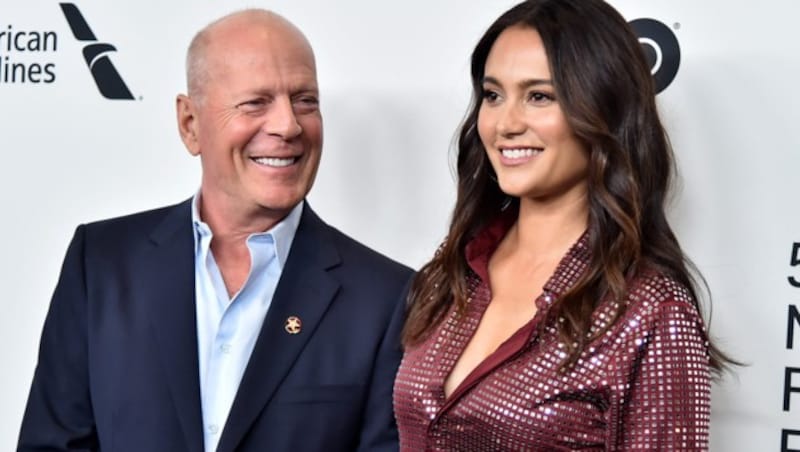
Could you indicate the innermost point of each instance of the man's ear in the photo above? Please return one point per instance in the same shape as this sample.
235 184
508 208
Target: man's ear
185 109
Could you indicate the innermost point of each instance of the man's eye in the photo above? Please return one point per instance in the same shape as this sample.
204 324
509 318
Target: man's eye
306 103
252 104
307 100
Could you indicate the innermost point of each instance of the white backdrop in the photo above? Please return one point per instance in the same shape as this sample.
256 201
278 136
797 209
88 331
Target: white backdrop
394 81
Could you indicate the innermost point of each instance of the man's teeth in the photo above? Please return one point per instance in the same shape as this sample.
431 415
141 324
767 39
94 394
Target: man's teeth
272 161
520 153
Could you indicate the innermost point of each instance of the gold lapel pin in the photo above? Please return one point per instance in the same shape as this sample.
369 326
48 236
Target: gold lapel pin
293 325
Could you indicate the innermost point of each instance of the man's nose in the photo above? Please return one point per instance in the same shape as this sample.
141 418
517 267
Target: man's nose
281 119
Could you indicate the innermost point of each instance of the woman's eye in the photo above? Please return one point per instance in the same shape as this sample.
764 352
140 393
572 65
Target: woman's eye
539 97
489 95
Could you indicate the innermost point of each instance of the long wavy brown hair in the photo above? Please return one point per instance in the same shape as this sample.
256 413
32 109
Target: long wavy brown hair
604 86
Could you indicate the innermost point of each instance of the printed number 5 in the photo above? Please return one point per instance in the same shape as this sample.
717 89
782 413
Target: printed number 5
795 261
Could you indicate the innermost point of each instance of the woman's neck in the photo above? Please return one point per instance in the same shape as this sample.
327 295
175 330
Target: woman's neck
549 229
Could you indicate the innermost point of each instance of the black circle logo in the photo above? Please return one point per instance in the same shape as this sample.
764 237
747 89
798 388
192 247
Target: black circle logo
661 49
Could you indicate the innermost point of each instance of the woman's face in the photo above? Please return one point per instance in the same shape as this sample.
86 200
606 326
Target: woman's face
527 138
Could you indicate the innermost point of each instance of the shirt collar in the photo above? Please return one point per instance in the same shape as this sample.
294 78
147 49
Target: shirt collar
282 233
481 247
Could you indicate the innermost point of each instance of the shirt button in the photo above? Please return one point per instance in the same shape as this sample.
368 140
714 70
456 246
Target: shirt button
213 428
225 348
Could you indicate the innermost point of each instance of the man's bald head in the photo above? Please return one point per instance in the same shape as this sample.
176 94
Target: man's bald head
211 44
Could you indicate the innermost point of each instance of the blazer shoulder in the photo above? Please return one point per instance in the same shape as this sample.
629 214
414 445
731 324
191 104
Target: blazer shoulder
142 222
355 252
130 233
355 256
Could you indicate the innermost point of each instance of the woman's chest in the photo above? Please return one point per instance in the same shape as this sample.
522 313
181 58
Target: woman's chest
522 402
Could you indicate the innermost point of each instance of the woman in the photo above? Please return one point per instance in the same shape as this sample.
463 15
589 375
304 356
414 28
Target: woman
559 313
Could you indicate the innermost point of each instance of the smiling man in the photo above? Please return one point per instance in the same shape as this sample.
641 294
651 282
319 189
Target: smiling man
236 320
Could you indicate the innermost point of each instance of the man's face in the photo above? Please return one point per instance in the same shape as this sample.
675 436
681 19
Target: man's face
257 121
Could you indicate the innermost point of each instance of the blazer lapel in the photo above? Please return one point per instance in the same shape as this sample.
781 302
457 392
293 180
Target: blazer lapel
170 271
305 290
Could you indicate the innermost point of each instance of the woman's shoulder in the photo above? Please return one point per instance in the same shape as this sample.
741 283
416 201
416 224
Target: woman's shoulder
653 287
655 296
658 310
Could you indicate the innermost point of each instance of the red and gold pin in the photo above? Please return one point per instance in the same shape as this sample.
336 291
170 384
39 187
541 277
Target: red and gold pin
293 325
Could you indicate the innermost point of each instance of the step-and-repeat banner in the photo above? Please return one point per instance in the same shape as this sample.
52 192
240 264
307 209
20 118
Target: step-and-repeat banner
88 131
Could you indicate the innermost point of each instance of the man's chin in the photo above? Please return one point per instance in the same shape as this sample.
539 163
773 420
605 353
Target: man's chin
282 205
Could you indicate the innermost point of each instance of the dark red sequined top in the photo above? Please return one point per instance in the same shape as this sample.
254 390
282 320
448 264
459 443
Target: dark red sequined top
643 385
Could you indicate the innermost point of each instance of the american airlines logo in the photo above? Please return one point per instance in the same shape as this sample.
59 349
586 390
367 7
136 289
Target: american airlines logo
96 55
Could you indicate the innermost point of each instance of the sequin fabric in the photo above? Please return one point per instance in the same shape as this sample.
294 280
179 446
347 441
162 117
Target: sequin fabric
643 385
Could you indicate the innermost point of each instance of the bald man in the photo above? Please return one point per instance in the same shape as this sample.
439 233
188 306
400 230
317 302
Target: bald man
236 320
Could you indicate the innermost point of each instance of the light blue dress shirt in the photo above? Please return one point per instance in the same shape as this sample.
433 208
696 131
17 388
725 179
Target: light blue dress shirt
227 328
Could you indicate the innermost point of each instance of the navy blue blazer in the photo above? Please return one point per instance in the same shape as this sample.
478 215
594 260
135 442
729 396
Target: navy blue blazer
118 367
